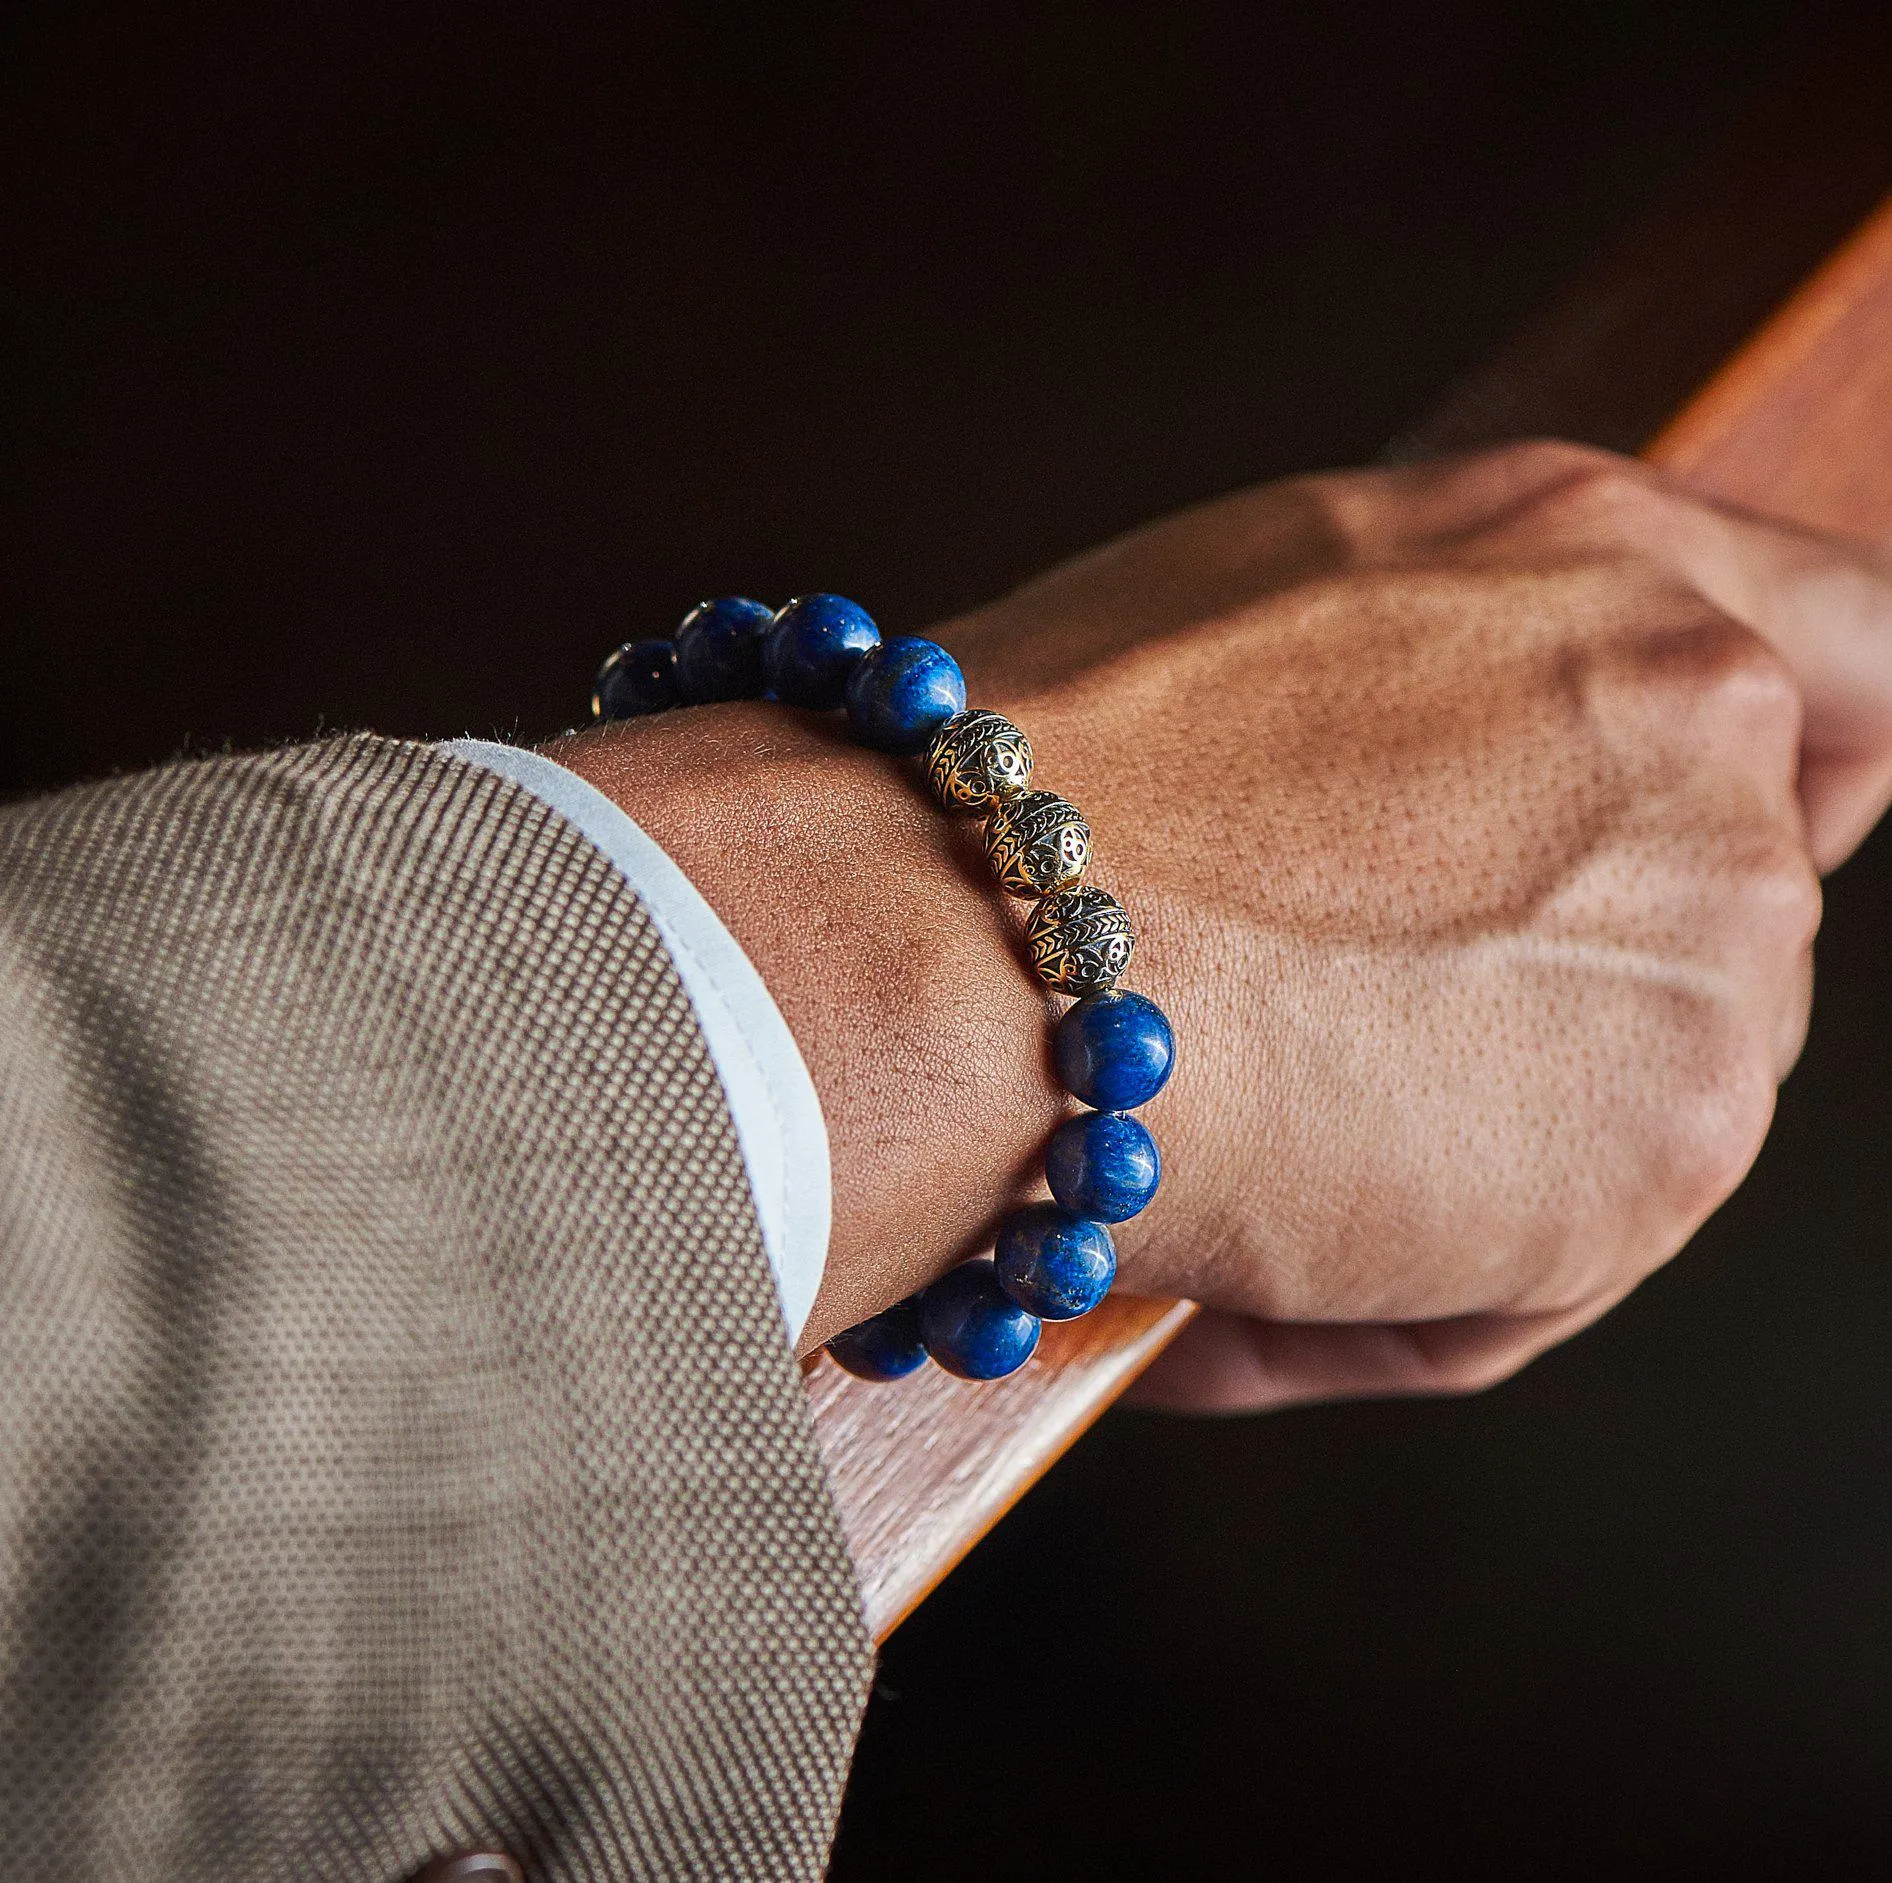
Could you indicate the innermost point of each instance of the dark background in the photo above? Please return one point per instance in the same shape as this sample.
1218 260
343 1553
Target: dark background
383 366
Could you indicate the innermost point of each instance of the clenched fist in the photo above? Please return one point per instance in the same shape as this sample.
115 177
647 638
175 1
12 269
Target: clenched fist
1474 817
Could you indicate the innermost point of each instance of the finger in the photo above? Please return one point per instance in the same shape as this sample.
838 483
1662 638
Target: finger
1224 1363
1846 793
1825 606
1388 514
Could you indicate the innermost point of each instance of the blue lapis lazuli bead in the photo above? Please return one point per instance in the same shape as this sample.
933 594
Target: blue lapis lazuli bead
816 642
1114 1050
886 1346
972 1327
639 677
1103 1164
719 649
1054 1263
902 692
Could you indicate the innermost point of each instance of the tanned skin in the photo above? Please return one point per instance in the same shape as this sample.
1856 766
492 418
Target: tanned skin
1472 817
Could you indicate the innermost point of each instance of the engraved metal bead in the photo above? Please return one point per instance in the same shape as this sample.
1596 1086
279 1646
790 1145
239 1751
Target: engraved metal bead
1079 940
1037 844
978 760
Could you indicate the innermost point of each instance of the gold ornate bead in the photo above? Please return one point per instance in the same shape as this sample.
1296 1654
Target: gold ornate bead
978 760
1080 940
1037 844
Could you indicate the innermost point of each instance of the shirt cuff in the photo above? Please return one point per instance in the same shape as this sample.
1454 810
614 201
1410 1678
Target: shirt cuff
779 1125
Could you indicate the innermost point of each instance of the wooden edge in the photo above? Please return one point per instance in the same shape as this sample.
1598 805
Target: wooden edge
920 1470
1781 353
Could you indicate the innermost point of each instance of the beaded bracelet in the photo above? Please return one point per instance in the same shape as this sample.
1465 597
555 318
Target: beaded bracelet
1113 1050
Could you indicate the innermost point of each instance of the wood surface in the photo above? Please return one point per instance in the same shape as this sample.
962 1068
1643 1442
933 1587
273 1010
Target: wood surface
923 1467
1799 424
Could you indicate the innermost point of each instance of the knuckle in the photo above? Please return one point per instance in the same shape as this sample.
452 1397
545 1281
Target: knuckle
1447 498
1344 506
1525 486
1592 498
1542 462
1783 901
1721 686
1712 1134
1743 673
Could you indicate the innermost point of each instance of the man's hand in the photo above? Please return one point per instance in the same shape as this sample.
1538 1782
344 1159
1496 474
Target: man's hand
1471 817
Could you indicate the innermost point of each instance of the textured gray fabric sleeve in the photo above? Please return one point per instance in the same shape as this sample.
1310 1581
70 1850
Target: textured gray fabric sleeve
399 1450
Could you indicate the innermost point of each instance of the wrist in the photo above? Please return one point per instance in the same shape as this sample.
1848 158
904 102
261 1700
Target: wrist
870 920
1093 732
